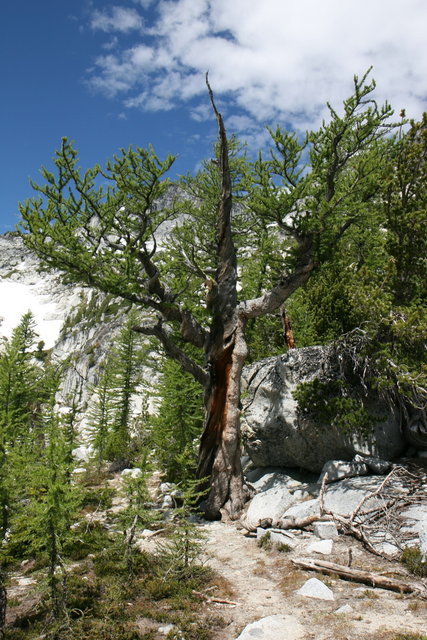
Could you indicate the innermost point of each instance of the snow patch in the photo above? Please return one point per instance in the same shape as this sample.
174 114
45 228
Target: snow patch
16 299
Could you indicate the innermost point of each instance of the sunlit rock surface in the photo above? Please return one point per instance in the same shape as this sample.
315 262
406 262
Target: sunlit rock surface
276 434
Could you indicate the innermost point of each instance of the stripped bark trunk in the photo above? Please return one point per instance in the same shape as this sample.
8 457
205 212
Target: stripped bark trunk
219 456
288 334
226 350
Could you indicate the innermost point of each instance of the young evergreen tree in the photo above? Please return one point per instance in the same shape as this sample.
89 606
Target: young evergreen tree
182 551
42 525
178 423
22 393
20 382
310 192
111 416
126 375
37 497
404 194
101 415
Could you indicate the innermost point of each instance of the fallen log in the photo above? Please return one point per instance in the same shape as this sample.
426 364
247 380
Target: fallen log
364 577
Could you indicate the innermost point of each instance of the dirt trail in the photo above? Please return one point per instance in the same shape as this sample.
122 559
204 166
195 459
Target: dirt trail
264 583
248 570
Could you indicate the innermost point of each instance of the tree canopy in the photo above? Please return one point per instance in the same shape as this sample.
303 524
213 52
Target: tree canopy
242 237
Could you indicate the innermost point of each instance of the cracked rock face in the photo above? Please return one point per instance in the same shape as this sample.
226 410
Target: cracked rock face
276 434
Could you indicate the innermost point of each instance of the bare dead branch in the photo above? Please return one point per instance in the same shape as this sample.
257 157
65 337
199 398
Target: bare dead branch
365 577
208 599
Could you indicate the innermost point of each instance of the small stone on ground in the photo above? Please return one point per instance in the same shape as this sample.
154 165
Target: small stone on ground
314 588
320 546
275 627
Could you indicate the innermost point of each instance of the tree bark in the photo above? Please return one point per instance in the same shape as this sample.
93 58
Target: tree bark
219 455
226 350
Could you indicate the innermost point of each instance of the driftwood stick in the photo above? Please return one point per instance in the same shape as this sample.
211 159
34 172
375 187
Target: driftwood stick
365 577
322 494
155 533
207 598
299 523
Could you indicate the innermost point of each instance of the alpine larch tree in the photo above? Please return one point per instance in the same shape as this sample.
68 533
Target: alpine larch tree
100 227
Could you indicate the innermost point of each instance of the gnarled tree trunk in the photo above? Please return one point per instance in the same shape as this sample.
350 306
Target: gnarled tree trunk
219 456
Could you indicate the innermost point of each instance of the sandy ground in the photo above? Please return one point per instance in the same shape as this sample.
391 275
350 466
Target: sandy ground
264 583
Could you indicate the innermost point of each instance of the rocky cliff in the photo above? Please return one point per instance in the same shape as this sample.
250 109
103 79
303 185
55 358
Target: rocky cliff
77 325
276 431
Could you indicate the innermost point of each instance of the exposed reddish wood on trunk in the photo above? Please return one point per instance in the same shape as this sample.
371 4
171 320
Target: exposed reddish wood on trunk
219 454
287 330
215 412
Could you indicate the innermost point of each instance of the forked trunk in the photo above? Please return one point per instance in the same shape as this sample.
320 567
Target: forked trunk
219 456
225 348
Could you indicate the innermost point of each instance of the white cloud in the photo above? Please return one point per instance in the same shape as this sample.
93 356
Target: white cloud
120 19
240 123
274 59
111 44
201 113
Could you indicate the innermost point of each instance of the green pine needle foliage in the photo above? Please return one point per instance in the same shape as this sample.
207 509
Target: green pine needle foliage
178 424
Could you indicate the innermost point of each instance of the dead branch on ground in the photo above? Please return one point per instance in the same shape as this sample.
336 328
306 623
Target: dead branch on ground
399 490
209 599
376 518
365 577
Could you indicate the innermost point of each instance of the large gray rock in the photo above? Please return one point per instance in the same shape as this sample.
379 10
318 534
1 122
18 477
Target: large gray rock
276 627
416 522
275 433
340 498
340 469
268 505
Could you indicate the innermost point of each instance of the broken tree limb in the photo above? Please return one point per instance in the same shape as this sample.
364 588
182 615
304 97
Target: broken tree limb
322 494
208 599
287 329
291 522
365 577
373 494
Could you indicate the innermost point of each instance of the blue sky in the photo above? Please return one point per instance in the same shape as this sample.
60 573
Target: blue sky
132 72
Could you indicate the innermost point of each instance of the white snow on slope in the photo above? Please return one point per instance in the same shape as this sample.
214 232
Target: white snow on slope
17 298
